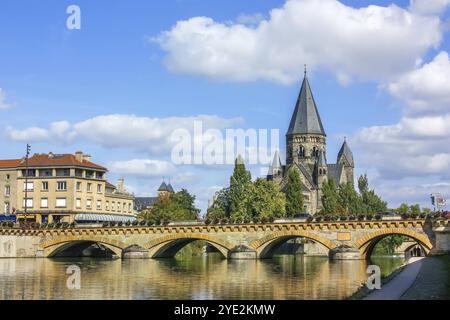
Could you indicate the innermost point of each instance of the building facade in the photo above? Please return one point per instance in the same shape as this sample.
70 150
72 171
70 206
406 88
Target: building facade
62 188
306 150
146 203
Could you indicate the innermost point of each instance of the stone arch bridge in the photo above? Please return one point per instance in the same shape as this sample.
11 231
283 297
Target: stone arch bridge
342 239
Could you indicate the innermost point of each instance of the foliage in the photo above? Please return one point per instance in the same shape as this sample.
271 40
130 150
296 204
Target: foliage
403 209
329 197
349 199
220 207
294 193
389 244
266 199
176 207
372 203
240 185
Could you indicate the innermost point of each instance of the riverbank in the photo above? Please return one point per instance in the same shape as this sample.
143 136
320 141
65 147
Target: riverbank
419 279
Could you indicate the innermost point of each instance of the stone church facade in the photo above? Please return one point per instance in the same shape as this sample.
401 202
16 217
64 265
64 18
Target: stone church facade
306 149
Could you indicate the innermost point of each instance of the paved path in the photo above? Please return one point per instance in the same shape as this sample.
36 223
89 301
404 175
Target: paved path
395 288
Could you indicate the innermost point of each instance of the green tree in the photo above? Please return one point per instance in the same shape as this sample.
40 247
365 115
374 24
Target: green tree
176 207
266 199
240 185
220 207
349 199
415 209
294 193
329 197
404 208
372 203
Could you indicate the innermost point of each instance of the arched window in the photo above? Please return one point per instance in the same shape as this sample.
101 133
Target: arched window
301 152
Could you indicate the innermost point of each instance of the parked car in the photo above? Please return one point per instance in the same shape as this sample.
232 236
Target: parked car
390 216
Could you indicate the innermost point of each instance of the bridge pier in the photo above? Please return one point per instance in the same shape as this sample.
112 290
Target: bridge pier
442 241
344 252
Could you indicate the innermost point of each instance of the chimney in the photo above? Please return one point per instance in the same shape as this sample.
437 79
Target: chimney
87 157
121 185
79 156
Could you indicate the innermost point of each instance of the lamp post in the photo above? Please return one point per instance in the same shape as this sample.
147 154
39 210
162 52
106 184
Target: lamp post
26 183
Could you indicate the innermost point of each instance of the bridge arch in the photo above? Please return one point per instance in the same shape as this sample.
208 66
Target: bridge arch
265 246
57 245
367 243
167 246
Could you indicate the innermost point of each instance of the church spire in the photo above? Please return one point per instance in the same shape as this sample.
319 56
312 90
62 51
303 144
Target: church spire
306 118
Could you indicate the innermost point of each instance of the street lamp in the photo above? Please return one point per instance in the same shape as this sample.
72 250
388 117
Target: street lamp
26 182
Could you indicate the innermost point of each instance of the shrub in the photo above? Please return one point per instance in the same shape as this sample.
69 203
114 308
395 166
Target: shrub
352 217
128 223
143 223
149 223
271 219
422 216
215 221
105 224
120 224
378 217
72 225
256 219
369 217
343 218
327 218
405 215
318 219
135 223
361 217
264 220
112 224
223 221
309 219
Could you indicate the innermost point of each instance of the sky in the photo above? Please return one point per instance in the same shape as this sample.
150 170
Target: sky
118 87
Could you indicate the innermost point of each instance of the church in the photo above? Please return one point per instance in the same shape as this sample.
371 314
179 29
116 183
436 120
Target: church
306 150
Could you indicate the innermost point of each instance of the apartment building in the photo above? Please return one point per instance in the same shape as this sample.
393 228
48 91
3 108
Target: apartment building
62 188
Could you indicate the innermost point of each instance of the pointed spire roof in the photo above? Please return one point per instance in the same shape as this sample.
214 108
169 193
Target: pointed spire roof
322 162
170 188
306 118
346 152
163 187
276 164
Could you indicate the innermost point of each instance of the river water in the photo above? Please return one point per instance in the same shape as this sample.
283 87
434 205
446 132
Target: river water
209 277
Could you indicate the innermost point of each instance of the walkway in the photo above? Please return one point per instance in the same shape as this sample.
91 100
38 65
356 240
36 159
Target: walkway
395 288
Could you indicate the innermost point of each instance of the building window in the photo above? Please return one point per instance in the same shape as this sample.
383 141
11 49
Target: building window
88 203
107 205
118 206
7 177
78 185
78 203
89 174
89 187
129 207
28 186
30 173
61 186
78 173
44 203
44 185
99 204
7 190
113 206
63 172
99 188
45 173
60 202
28 202
7 208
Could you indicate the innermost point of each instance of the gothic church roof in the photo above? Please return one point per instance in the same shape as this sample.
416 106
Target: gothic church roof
306 118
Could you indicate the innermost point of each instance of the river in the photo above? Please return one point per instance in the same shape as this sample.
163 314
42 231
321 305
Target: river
203 277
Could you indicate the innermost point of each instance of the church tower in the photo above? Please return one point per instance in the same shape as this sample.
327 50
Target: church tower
345 159
306 137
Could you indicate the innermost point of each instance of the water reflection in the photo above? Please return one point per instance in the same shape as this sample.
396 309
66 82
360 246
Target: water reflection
284 277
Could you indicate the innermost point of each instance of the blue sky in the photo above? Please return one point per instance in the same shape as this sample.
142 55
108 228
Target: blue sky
141 63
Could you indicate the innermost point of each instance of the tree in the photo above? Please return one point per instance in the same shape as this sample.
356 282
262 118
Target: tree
415 209
294 193
220 207
372 203
349 199
266 199
329 197
240 184
404 208
176 207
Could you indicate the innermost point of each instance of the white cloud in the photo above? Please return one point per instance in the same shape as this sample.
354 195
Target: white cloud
426 89
152 135
429 6
3 104
371 43
143 167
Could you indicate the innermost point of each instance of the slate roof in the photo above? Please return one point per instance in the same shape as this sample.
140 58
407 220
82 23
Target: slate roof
306 118
347 153
141 203
276 164
335 172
